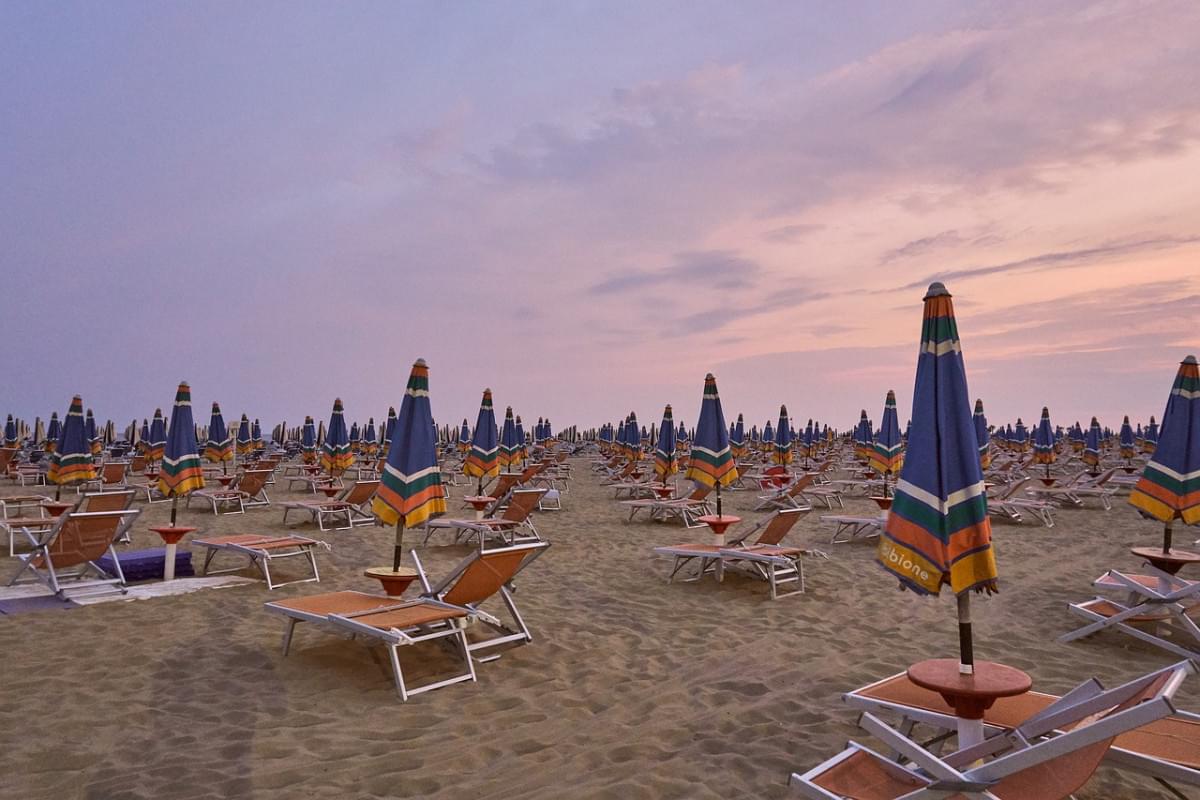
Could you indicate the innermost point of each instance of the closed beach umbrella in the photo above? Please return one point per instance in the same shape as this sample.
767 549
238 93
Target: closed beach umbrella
1150 437
1127 445
807 444
256 435
483 459
389 429
91 434
336 457
520 439
768 436
510 449
219 447
308 441
711 462
53 431
410 486
71 461
737 439
245 440
10 432
1043 442
887 453
156 443
181 473
664 451
982 436
633 439
862 437
1091 445
464 437
682 440
782 453
370 441
1169 487
1022 435
354 438
938 532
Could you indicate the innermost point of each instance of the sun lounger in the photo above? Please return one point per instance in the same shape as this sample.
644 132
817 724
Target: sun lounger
68 551
1082 485
1167 749
20 511
261 551
513 526
440 612
1007 500
353 505
111 476
852 528
1031 763
108 501
248 490
790 496
686 509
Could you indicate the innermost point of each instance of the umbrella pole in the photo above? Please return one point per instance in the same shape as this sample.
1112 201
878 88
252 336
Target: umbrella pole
174 507
1167 535
398 554
718 499
966 654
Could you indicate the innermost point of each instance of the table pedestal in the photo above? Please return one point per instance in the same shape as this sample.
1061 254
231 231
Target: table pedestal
171 536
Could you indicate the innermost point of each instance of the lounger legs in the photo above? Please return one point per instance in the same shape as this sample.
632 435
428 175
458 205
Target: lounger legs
404 691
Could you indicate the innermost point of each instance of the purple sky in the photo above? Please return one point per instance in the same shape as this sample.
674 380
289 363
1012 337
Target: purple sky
587 206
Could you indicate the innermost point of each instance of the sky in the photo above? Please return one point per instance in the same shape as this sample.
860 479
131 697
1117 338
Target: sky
586 206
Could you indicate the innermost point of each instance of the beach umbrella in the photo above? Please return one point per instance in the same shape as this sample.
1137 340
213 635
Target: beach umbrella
1150 437
633 439
389 429
807 443
410 486
219 447
1022 435
1169 487
862 437
711 462
110 433
370 444
937 531
520 439
1043 443
53 431
737 439
768 436
782 453
181 473
256 435
308 441
483 459
682 440
156 442
354 438
91 434
245 443
510 448
336 457
39 432
10 432
71 461
887 453
1091 446
981 435
1127 445
664 451
464 437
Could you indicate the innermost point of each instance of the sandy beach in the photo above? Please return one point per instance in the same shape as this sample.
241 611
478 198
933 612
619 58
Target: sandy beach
633 688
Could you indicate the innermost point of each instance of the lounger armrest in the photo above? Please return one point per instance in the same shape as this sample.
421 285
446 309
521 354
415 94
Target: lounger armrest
936 767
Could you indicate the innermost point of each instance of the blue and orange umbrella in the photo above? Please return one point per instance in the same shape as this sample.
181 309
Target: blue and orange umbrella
245 440
510 447
10 432
1091 445
464 437
682 440
1128 449
71 461
308 441
1169 487
355 438
219 447
664 451
768 437
181 472
1149 437
389 429
53 431
808 443
633 438
256 435
1043 442
483 459
91 434
370 444
156 442
410 487
982 436
887 453
938 532
737 439
781 453
711 462
862 438
336 457
521 439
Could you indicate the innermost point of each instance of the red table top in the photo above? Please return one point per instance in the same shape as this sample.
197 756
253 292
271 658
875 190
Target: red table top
172 534
1171 561
479 500
970 695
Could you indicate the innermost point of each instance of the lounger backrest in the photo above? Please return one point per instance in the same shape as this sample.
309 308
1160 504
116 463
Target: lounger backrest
7 456
502 485
360 492
84 537
107 501
487 572
701 492
529 472
522 504
138 463
779 526
114 472
252 481
800 485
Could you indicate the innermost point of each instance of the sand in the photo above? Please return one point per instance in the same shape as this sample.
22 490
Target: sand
632 688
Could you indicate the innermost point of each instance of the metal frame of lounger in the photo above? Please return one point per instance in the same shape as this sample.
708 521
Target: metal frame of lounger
774 564
510 532
342 505
52 577
105 481
685 509
1161 769
234 493
851 529
1117 711
261 556
1145 604
12 523
1007 502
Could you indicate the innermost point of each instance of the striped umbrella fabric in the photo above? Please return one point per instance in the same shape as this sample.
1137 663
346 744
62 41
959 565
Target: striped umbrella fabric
887 453
410 487
336 457
862 437
483 459
181 472
633 439
711 462
664 451
1043 441
71 461
1169 487
1149 438
737 439
1127 445
682 440
354 438
464 437
245 439
91 434
938 531
510 448
1091 445
768 436
521 438
156 443
982 436
256 435
370 441
782 452
219 447
53 431
1021 435
10 432
807 444
389 429
308 441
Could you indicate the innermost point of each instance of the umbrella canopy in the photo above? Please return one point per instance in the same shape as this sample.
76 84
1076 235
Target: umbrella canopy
737 439
711 462
245 441
464 437
71 461
1127 445
862 437
664 452
982 436
521 437
1021 435
308 441
782 452
336 457
10 432
91 434
1043 440
354 438
682 440
410 487
483 460
510 447
808 442
53 431
156 442
370 440
1170 484
389 429
887 454
219 446
1149 438
181 472
768 435
633 438
938 531
1091 445
256 435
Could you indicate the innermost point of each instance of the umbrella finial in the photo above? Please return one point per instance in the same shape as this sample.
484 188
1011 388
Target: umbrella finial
937 289
1188 360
